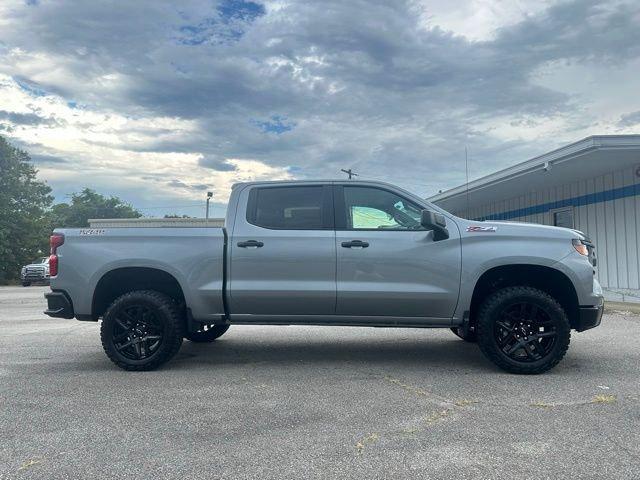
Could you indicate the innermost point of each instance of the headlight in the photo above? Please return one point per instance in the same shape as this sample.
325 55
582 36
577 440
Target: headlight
580 247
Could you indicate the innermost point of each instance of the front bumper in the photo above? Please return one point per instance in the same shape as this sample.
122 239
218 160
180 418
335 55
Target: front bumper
589 317
34 277
59 305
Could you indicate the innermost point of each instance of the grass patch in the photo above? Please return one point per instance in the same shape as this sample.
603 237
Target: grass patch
368 440
604 399
541 405
29 464
434 417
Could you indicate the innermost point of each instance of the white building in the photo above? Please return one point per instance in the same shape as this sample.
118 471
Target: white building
592 185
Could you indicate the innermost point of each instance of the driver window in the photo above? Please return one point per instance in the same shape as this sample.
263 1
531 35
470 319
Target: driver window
369 208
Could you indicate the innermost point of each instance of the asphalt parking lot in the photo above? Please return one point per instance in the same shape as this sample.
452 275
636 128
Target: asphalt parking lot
311 402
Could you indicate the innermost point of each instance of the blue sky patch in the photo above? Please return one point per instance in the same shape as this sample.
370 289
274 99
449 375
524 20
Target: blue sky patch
240 10
229 25
30 88
276 124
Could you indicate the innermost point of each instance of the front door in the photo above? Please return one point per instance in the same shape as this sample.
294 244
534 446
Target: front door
388 264
283 256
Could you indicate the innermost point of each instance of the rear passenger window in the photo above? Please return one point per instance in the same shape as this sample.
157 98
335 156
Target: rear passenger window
288 208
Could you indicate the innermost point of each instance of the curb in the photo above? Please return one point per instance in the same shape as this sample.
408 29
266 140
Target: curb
610 307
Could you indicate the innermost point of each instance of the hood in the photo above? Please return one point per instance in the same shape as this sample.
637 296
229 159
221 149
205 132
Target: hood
526 229
45 265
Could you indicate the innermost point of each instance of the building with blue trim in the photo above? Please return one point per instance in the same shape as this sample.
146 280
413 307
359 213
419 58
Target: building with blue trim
592 185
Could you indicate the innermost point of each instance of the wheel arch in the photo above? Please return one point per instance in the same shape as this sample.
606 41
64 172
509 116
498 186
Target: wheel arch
119 281
545 278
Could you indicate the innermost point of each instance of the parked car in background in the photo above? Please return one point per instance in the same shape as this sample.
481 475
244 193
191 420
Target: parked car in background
36 272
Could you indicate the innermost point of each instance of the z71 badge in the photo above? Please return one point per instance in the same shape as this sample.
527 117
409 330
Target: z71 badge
481 229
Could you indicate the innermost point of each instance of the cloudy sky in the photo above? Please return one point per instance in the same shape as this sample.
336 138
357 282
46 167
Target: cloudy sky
158 102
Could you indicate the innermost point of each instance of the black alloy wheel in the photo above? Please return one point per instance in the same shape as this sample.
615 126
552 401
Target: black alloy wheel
523 330
137 334
141 330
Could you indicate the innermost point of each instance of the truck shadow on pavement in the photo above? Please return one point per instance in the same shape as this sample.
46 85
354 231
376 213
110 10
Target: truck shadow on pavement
423 352
282 350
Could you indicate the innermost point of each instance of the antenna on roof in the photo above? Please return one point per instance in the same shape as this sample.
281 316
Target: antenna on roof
350 173
466 168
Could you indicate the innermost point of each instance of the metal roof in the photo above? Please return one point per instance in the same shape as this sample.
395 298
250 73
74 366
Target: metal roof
597 154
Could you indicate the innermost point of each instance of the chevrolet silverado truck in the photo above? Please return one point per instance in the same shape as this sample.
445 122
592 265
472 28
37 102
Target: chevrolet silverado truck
330 253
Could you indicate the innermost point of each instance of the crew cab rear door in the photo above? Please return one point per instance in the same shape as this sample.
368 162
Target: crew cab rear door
282 252
388 264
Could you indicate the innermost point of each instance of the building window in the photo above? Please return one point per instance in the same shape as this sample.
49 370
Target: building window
563 217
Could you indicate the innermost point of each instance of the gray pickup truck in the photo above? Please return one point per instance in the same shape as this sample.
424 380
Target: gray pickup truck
329 253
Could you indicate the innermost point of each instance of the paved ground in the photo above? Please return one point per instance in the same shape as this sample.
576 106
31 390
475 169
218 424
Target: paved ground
311 402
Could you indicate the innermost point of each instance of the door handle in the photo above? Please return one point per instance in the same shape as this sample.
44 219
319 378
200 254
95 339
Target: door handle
251 244
356 244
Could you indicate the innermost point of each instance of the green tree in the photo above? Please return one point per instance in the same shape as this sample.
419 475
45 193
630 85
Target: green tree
89 204
24 226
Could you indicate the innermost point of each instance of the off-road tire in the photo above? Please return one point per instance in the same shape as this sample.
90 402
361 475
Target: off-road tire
166 314
491 312
466 334
208 333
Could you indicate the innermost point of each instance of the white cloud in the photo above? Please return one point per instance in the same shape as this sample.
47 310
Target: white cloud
479 20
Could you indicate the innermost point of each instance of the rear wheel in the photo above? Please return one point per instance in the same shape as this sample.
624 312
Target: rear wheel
207 333
523 330
141 330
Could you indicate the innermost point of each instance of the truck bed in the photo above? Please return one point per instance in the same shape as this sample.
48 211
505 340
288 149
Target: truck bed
194 256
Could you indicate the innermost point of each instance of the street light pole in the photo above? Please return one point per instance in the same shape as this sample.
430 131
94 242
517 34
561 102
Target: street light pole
209 195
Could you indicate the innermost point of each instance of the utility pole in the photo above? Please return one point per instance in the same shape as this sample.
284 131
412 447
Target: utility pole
349 172
209 195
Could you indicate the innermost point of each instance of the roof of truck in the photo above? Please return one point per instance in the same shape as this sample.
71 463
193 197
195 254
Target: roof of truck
332 180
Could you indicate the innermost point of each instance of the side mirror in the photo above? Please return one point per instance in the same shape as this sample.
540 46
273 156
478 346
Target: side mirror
435 221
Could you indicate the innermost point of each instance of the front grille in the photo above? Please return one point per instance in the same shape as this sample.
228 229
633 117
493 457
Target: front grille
34 272
591 249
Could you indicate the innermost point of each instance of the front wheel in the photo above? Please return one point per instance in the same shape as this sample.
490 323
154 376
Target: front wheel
207 333
523 330
141 330
26 284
